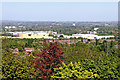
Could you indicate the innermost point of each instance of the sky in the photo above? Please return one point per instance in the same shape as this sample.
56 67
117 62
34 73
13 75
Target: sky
60 11
59 0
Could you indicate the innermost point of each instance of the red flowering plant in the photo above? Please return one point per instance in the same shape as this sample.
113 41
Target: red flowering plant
50 57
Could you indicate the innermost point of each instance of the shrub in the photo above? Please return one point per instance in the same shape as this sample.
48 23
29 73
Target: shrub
106 67
15 67
73 71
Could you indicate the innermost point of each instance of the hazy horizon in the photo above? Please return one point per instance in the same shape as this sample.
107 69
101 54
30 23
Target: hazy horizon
51 21
60 11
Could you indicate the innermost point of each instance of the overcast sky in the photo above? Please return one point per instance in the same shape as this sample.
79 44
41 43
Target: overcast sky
60 11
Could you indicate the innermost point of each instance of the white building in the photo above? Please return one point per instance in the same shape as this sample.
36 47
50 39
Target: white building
74 24
6 27
10 27
96 29
91 32
32 34
90 36
54 33
66 36
13 27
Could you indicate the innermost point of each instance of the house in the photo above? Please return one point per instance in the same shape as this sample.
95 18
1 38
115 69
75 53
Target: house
40 49
41 42
116 46
29 50
101 40
68 44
23 56
91 32
16 51
10 49
96 29
85 40
6 27
110 40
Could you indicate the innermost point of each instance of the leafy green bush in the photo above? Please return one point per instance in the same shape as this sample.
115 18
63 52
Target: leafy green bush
105 68
14 67
73 71
81 51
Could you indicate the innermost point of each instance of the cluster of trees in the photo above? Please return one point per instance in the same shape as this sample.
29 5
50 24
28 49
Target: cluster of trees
17 43
102 58
80 60
73 71
15 67
108 30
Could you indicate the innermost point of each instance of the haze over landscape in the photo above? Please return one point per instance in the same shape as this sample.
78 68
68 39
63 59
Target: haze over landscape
60 40
60 11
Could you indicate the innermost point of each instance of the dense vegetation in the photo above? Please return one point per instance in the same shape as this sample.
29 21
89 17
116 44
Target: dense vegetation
15 67
84 60
73 71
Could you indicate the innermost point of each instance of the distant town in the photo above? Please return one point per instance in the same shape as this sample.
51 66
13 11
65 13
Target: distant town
56 30
50 35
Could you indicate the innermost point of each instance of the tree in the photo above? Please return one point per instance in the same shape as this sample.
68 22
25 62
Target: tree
73 71
97 42
15 67
48 59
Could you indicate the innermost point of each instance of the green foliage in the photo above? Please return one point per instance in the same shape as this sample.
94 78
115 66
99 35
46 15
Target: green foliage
105 67
73 71
92 57
81 51
14 67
